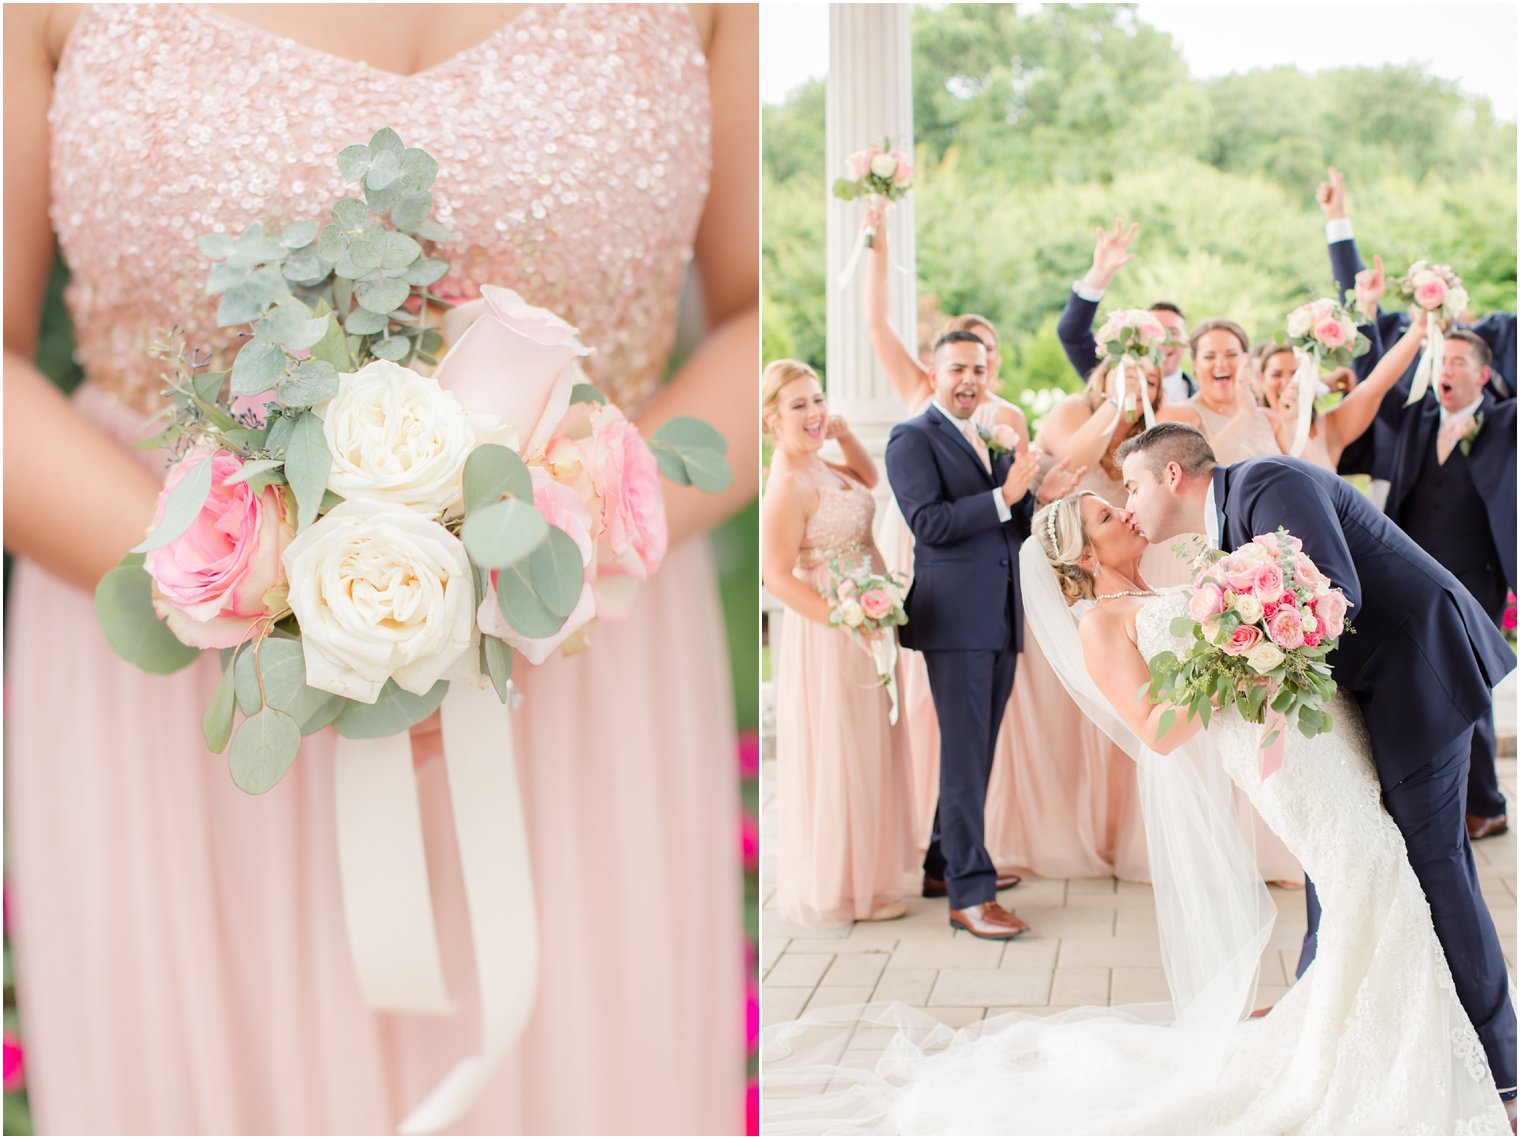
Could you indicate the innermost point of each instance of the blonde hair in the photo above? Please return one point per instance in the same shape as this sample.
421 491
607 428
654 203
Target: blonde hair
1063 540
777 374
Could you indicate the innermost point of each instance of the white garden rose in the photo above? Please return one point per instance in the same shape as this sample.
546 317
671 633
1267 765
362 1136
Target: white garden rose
1423 277
1300 320
1264 657
1311 622
852 614
380 592
884 166
397 436
1456 299
1248 608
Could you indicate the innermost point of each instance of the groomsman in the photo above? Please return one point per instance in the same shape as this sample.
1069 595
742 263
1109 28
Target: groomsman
968 510
1075 326
1452 489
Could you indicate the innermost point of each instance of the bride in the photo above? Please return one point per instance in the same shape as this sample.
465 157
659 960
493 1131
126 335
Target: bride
1371 1039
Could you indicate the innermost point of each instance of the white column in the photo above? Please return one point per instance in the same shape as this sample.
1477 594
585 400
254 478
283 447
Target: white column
869 98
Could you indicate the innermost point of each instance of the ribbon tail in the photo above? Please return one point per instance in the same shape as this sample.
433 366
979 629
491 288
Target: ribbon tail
1145 402
1427 365
884 655
1306 380
1123 386
848 273
498 883
1270 756
382 870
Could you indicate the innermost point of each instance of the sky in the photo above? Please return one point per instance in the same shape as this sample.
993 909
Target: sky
1474 44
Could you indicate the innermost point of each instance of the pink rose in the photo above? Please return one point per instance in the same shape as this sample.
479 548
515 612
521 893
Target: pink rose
1242 640
1239 574
626 478
859 163
1271 544
904 172
1269 579
1286 627
561 507
1330 333
1321 309
1004 436
1331 611
846 589
1206 601
515 361
1430 294
875 603
1313 639
1307 574
223 573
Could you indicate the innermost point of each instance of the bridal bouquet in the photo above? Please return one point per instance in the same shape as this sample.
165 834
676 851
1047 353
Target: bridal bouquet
354 529
869 605
1323 335
874 172
1133 337
1261 622
1438 292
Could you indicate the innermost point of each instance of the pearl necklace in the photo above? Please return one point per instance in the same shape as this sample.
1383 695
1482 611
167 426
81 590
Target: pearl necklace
1125 593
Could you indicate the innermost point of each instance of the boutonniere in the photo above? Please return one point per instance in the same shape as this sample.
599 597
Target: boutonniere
1469 433
1000 439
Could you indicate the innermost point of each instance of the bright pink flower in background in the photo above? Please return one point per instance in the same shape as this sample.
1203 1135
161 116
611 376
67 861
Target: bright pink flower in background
224 572
749 755
625 476
749 840
15 1066
751 1014
1286 627
1242 641
1206 601
1508 622
875 604
752 1109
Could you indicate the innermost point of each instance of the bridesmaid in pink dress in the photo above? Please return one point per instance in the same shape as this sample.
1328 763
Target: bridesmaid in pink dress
844 844
182 962
1040 817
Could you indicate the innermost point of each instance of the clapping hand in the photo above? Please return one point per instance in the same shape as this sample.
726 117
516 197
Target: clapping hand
1059 481
1370 287
1020 475
1331 195
1111 251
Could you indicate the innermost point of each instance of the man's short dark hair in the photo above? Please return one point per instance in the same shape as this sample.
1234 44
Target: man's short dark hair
1481 351
956 336
1167 306
1170 443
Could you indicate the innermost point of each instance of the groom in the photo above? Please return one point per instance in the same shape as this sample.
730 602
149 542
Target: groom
1422 663
968 510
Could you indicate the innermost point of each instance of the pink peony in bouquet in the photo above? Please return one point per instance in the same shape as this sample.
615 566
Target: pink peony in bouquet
1262 620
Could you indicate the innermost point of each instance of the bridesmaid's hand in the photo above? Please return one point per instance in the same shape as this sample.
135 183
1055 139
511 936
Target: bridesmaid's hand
837 428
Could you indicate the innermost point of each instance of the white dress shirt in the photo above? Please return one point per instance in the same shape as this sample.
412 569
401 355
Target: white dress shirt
1004 513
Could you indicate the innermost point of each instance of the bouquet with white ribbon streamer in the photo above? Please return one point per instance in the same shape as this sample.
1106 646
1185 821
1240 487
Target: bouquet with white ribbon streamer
1438 292
868 606
878 172
1323 335
1128 339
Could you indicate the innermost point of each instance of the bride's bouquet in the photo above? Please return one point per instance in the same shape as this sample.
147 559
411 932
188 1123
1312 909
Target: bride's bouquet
1323 335
1438 292
391 492
1130 338
1261 621
868 606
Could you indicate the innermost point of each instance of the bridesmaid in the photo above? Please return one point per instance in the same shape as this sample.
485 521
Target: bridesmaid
845 841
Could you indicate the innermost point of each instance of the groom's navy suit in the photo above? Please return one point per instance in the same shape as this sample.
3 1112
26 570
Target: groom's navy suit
966 616
1421 664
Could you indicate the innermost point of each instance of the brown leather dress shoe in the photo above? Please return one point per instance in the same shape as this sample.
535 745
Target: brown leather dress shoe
1479 827
935 887
988 920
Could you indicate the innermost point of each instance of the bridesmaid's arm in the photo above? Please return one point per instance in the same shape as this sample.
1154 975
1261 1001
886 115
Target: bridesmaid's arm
75 501
1348 420
718 382
1075 432
784 514
909 378
857 460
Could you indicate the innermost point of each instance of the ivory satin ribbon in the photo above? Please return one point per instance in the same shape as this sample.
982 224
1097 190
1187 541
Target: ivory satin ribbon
388 904
1430 360
1306 380
1145 393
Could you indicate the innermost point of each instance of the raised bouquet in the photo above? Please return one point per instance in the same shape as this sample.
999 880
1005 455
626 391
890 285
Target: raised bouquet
390 492
868 605
1133 337
1438 292
1323 335
876 171
1261 622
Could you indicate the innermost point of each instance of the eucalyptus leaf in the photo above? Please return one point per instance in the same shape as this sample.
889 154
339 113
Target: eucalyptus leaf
432 230
381 295
503 533
432 340
257 367
709 472
332 349
522 608
394 710
280 431
312 382
215 245
251 469
306 465
362 322
496 663
382 199
216 723
671 465
491 471
686 434
1168 718
411 210
182 505
306 268
330 244
263 750
223 277
367 249
247 439
280 664
418 169
586 393
383 169
400 251
554 570
391 348
350 215
323 712
1181 626
425 270
208 385
299 234
124 608
353 162
239 305
385 139
329 501
292 326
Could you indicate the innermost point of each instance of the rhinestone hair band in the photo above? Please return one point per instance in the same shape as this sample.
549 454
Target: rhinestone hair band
1050 527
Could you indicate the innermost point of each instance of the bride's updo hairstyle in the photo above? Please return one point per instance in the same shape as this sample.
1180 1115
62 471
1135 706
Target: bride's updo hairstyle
1058 528
777 374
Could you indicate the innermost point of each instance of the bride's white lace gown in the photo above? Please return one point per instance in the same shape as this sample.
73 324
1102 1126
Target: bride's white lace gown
1371 1040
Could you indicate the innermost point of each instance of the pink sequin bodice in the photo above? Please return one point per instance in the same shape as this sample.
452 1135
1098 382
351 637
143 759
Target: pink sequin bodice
573 146
840 527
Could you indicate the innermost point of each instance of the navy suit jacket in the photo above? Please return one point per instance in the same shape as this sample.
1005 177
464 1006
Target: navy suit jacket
1074 330
965 593
1490 462
1424 657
